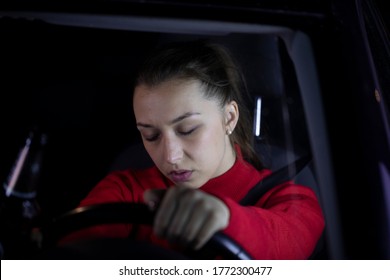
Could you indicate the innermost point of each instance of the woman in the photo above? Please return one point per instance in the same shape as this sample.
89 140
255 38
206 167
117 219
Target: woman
190 111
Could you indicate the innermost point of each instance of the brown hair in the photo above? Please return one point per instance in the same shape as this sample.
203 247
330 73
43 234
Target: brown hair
215 68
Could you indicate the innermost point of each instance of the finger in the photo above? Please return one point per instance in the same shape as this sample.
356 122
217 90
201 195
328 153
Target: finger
153 197
195 223
185 200
213 215
206 231
165 212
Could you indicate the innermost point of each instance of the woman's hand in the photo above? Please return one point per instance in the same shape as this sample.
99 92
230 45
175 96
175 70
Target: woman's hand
187 216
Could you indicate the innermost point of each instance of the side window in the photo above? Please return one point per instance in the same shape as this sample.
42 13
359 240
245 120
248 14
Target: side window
379 39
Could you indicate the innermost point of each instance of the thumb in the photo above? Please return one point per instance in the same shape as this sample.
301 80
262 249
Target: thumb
153 197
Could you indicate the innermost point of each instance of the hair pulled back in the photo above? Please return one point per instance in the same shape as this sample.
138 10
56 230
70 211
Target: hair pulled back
220 78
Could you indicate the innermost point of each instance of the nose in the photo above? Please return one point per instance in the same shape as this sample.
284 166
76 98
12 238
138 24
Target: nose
173 151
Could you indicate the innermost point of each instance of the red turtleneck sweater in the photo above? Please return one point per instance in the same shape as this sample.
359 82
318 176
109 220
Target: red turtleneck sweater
286 222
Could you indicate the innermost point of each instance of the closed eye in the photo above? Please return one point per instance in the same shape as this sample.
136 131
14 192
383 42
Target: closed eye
188 132
151 138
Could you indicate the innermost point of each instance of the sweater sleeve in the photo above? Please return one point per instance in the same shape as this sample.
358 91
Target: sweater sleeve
285 224
111 189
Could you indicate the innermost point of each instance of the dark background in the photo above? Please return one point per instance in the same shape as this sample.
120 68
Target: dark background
75 84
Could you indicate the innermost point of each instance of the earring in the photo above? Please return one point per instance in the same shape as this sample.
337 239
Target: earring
228 132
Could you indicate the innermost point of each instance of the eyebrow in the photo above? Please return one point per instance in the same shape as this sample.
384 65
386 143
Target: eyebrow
175 120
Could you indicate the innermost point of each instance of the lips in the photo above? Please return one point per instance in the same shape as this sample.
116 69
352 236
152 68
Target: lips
180 175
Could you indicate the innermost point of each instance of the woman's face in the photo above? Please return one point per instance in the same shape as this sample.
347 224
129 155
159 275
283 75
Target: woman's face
184 133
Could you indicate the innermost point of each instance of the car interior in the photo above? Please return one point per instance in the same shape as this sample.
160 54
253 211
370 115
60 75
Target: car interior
73 76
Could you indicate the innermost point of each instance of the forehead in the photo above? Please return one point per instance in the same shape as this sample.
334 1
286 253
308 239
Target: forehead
171 99
169 89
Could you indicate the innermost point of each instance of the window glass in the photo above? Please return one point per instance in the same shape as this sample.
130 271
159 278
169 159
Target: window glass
377 26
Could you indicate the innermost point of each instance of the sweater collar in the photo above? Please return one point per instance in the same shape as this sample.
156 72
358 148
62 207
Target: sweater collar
235 182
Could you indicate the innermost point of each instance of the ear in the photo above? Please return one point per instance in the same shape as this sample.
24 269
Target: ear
231 116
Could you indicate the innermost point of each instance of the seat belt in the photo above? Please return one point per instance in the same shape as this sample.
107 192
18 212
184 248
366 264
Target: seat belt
278 177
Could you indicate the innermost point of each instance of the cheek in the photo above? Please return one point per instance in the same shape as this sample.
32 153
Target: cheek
216 133
210 143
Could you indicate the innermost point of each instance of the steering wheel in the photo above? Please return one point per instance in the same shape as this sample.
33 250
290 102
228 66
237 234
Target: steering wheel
132 213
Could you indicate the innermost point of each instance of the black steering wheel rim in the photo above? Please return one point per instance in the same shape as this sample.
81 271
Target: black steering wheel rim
133 213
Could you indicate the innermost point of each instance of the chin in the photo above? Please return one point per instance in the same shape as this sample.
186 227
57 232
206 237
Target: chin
188 185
